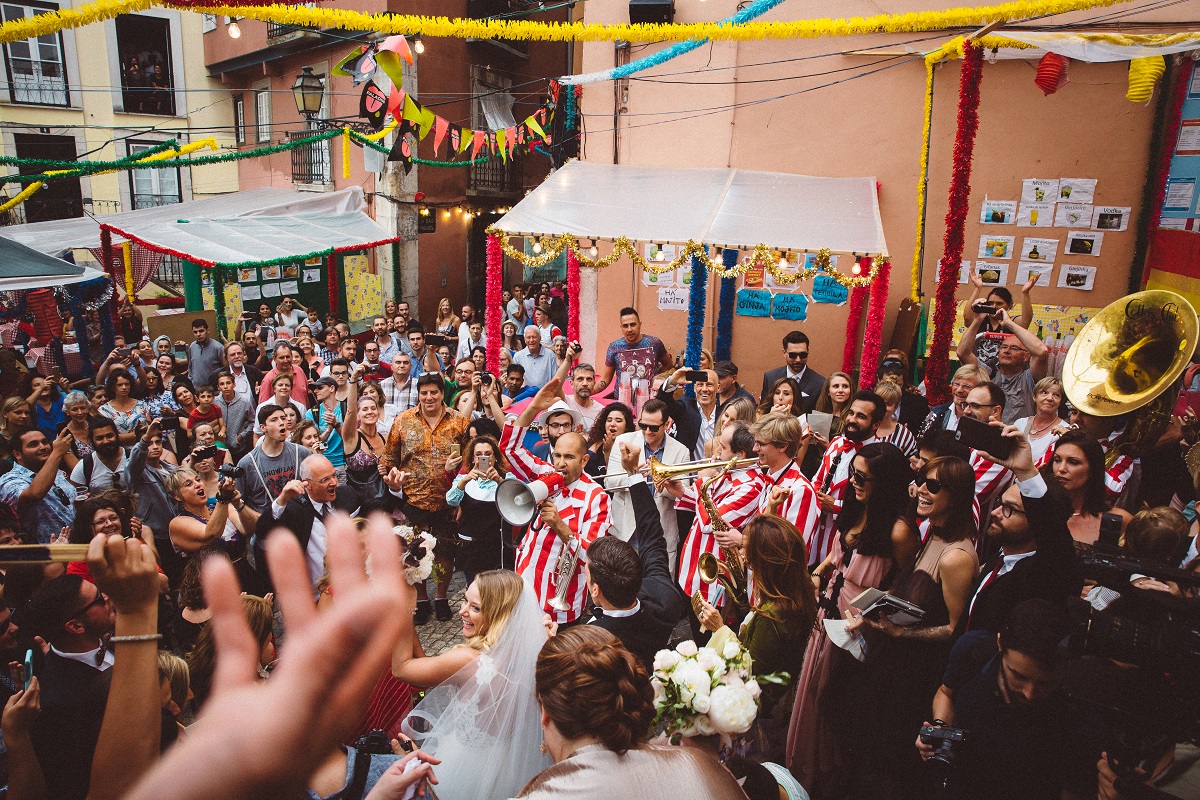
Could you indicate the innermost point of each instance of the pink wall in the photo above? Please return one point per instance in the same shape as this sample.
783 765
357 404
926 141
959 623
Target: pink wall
864 127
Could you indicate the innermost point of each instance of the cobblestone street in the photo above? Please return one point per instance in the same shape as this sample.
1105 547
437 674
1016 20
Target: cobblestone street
438 637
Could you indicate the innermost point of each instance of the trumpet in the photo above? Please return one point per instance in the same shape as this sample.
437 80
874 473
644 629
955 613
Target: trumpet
660 472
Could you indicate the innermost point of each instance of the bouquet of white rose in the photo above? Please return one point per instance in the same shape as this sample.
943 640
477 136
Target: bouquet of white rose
418 553
699 691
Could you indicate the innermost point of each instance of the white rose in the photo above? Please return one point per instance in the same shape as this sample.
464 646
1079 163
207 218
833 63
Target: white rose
731 710
754 689
691 680
687 649
712 663
700 704
704 726
732 648
665 659
660 692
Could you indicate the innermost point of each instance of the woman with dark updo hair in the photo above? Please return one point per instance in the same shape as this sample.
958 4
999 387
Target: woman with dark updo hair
597 706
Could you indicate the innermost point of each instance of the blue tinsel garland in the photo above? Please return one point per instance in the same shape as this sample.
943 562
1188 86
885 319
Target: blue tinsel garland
725 309
697 299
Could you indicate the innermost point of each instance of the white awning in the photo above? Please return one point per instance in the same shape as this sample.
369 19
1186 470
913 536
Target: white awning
249 240
728 207
24 268
62 235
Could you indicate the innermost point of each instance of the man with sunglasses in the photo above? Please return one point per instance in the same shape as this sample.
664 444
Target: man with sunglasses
1037 555
650 441
795 349
36 491
833 476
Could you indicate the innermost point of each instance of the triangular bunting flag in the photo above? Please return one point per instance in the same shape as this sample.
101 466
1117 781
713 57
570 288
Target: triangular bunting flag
440 127
500 137
477 142
373 106
510 139
424 121
402 148
534 127
456 138
395 103
468 136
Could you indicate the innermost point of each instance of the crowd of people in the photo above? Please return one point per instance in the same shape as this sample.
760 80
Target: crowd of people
272 519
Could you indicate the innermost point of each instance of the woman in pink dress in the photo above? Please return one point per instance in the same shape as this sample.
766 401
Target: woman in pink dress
875 541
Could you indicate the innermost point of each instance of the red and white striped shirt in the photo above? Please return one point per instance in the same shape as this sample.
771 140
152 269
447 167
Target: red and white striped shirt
833 477
583 505
800 508
990 478
1121 470
736 497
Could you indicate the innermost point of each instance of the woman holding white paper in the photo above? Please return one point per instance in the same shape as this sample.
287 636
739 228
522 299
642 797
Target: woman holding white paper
874 537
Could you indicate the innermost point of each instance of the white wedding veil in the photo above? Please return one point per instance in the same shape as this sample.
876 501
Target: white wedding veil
484 722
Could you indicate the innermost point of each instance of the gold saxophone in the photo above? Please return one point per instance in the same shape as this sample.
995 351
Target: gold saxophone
730 570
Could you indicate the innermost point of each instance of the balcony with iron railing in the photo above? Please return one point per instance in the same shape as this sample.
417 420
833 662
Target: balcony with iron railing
310 163
144 200
281 33
495 177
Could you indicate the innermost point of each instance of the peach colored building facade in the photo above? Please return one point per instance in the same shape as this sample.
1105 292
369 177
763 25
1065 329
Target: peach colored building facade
710 108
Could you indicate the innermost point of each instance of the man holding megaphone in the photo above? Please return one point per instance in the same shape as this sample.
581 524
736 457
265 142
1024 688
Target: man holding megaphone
572 509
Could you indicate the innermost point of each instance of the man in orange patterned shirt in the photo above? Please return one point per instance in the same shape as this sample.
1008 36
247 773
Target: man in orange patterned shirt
421 441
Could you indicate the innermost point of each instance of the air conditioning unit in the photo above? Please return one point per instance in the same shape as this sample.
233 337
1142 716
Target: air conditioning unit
651 11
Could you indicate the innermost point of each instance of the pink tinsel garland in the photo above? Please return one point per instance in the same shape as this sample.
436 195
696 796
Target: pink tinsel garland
572 296
858 296
494 314
873 340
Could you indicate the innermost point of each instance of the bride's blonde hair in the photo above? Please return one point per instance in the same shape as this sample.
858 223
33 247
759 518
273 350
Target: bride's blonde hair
499 591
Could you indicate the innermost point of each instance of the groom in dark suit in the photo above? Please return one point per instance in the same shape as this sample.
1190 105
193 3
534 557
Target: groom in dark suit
795 347
301 508
636 598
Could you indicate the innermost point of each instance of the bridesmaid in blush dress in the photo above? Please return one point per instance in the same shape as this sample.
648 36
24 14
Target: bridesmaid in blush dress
875 541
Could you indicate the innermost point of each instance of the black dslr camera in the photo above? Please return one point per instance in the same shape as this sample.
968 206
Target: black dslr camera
945 741
230 471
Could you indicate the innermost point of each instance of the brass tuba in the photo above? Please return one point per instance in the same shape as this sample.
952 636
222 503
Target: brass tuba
1130 355
730 570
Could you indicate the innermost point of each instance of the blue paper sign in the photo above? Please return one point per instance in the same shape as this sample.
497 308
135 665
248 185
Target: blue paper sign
827 290
790 306
754 303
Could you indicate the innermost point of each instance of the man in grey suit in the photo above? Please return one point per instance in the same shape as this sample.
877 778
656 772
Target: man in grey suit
795 347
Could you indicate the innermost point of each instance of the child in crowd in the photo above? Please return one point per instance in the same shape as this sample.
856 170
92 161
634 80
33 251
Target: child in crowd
206 410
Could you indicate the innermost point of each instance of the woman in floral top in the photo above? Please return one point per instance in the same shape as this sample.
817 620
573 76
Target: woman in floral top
123 408
158 399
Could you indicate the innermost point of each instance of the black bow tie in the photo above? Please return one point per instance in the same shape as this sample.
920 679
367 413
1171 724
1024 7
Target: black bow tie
105 647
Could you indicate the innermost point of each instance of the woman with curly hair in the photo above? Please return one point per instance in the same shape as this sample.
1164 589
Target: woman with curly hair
614 419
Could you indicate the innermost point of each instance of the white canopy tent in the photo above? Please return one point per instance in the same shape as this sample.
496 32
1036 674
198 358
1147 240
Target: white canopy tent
726 207
59 236
23 268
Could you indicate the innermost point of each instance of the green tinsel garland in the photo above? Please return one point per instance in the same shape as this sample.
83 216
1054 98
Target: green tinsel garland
374 145
50 163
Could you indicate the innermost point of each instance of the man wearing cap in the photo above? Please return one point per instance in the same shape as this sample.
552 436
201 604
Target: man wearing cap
556 420
728 387
651 441
541 321
327 416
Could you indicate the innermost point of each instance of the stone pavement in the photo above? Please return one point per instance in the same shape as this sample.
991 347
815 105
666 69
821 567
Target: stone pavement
438 637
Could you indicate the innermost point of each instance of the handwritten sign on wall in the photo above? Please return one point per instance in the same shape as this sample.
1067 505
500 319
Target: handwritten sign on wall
754 303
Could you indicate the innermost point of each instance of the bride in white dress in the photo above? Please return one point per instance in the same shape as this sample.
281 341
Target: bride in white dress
480 714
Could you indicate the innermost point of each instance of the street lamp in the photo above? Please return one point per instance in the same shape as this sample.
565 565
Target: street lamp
309 93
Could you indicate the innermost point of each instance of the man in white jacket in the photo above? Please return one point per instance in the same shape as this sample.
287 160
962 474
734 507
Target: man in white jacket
650 440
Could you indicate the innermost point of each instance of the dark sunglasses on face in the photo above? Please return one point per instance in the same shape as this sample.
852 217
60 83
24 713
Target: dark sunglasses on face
860 478
96 601
933 485
652 428
799 356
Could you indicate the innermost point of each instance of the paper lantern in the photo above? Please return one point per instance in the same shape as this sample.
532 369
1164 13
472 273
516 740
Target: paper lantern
1143 75
1051 73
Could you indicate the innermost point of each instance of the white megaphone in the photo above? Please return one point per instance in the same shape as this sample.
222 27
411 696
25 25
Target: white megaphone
518 502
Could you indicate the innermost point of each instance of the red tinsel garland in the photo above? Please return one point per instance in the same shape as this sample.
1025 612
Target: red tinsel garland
873 340
572 295
110 266
956 217
493 300
1183 79
858 297
332 270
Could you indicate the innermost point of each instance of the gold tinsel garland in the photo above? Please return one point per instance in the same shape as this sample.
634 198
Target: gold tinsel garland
762 256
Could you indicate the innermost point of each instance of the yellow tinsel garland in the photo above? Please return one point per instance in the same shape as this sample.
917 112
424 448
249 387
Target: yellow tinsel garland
531 30
762 256
923 183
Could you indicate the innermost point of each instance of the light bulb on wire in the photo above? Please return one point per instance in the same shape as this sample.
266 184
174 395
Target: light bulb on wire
419 46
234 30
593 251
537 246
856 268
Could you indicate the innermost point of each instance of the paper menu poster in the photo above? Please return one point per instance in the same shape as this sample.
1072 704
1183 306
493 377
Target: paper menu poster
1027 268
992 274
251 292
1110 218
312 275
671 298
1084 243
996 246
964 272
1073 276
1039 190
1036 215
998 212
247 274
1072 215
289 287
270 290
1076 190
664 279
271 272
1181 194
1038 249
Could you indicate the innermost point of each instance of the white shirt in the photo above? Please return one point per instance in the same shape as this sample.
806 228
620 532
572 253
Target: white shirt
708 425
241 384
950 423
88 657
315 552
1033 487
618 613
